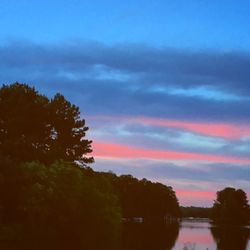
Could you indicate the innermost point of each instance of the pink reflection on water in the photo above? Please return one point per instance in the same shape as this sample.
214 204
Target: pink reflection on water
195 234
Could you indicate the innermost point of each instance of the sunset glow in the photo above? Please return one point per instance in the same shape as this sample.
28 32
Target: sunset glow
224 130
121 151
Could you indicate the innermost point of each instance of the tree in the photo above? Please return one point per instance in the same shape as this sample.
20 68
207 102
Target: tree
196 212
68 131
34 128
231 237
231 206
58 207
46 200
143 198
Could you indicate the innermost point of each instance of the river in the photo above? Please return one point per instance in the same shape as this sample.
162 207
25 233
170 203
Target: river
189 234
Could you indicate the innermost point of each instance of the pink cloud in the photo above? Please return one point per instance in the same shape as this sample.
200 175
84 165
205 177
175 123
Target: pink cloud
223 130
108 150
196 194
195 197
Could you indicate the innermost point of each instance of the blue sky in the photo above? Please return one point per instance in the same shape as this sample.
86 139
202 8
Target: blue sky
189 24
164 85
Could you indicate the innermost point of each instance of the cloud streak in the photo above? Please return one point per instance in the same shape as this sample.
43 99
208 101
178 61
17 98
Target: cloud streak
139 79
108 150
224 130
226 71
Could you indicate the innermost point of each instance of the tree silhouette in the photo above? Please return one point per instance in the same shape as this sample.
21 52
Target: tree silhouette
57 207
231 206
143 198
32 127
231 237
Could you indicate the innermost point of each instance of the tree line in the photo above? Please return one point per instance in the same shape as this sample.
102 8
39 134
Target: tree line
195 212
143 198
49 196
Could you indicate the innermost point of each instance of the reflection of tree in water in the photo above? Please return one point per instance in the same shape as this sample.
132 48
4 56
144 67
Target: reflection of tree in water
231 237
148 236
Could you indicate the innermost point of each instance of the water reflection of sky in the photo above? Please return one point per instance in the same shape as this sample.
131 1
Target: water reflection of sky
200 235
197 234
191 234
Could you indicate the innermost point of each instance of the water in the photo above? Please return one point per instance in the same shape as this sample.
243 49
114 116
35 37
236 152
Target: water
188 235
196 234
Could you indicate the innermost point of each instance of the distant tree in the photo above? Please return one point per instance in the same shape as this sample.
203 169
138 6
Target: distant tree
196 212
143 198
34 128
231 206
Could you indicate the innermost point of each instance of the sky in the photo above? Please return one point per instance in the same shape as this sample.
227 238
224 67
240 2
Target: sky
164 86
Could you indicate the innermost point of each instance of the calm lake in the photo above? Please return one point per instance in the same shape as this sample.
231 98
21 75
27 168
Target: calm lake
188 235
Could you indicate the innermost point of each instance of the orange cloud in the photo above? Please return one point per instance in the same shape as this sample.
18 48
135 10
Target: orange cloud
109 150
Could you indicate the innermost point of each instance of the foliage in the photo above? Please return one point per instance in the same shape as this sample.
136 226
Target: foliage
143 198
58 207
231 206
32 127
196 212
231 237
